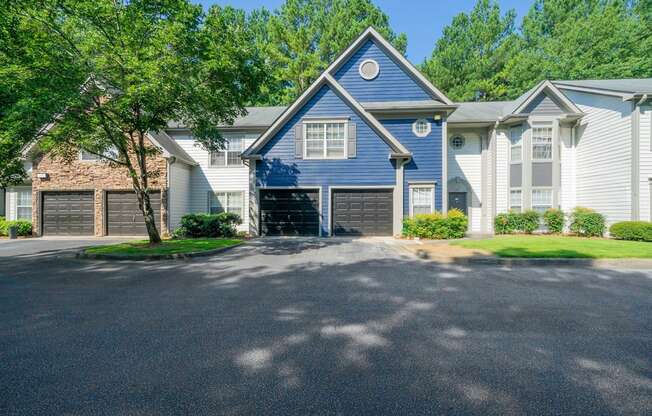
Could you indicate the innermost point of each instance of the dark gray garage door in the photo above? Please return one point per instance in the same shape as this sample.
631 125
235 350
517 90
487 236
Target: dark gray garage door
68 213
123 216
289 212
362 212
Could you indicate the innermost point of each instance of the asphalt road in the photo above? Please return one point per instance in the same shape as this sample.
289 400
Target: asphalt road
324 327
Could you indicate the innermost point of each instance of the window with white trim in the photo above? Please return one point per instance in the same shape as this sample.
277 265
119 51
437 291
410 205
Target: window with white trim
516 141
86 156
542 143
515 200
24 204
421 127
422 199
230 156
541 199
226 202
325 140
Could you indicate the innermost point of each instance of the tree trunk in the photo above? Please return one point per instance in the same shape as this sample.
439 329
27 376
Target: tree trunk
148 214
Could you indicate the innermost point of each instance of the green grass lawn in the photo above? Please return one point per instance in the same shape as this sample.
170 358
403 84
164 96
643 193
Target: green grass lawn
139 248
560 247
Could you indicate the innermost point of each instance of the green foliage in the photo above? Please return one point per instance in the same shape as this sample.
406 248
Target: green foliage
587 223
554 220
301 38
436 225
208 225
632 230
23 227
471 53
517 222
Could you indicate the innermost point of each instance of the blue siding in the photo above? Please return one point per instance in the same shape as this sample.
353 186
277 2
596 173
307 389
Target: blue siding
371 166
426 163
391 84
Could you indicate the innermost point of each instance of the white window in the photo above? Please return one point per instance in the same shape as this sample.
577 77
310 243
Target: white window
541 200
91 157
230 156
542 143
422 200
421 127
226 202
515 200
24 205
325 140
516 139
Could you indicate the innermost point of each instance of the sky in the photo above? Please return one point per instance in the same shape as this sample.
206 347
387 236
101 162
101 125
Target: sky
421 20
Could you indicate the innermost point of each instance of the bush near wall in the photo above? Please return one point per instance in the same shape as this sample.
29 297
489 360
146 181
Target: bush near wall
436 225
24 227
554 220
517 222
208 225
632 230
587 223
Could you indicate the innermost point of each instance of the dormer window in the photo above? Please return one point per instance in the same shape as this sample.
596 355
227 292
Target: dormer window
369 69
421 127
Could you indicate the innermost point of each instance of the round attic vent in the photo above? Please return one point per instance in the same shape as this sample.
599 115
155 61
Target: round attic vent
369 69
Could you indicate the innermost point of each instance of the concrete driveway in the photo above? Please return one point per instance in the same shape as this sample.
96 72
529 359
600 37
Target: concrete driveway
328 327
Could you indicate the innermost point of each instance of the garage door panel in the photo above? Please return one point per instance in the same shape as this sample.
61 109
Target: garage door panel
123 215
289 212
68 213
363 212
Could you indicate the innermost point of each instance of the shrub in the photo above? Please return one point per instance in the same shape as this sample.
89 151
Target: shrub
436 225
587 223
530 221
512 221
23 227
554 220
632 230
208 225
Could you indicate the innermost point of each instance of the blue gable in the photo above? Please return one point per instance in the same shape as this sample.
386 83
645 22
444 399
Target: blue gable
391 84
426 163
280 168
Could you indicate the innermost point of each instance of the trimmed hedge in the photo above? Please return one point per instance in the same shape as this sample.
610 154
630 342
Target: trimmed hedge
517 222
208 225
436 226
587 223
632 230
24 227
554 220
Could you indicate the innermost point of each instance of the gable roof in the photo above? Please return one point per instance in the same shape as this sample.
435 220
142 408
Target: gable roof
170 147
480 111
544 87
326 78
632 86
256 117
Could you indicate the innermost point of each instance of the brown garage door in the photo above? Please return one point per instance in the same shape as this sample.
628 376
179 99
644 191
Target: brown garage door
123 216
289 212
68 213
362 212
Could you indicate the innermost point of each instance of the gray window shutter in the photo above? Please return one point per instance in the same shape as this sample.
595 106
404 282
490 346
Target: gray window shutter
298 141
351 145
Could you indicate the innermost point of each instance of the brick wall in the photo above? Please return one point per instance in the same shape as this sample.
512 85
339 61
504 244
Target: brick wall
96 176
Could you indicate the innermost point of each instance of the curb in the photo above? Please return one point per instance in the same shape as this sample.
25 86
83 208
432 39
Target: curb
176 256
632 263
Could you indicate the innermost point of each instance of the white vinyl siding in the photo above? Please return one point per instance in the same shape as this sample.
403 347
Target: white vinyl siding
466 163
645 144
603 155
502 171
179 193
567 158
204 179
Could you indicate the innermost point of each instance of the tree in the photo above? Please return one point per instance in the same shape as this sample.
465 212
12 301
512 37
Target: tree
593 39
473 49
303 37
146 62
